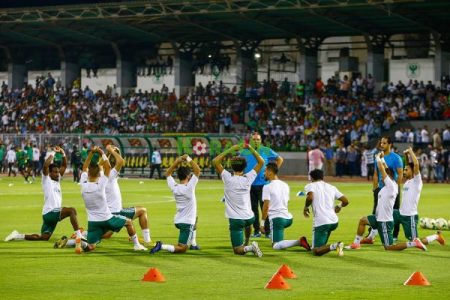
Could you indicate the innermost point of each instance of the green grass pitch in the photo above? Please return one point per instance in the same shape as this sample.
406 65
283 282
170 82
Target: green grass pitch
34 270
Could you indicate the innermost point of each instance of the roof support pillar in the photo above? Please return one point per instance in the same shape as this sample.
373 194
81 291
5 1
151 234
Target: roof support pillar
17 70
441 58
307 66
375 56
70 70
126 77
246 70
182 67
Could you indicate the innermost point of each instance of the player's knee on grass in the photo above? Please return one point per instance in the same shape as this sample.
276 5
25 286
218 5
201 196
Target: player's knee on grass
182 248
45 236
239 250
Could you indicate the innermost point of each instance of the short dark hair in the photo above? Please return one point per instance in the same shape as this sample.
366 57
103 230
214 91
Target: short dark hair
388 139
238 164
94 169
316 174
273 167
183 172
52 166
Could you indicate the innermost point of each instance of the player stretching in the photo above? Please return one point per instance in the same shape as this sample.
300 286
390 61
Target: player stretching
186 203
276 198
114 196
52 212
238 208
383 220
407 215
100 219
321 196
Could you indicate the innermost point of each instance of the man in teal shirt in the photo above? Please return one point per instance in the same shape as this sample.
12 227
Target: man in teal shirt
257 186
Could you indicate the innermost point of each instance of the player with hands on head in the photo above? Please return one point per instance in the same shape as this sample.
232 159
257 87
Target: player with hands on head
52 212
238 208
186 203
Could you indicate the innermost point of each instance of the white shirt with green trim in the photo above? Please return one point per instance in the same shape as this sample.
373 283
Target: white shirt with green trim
52 194
237 195
386 201
411 196
113 195
277 192
324 196
185 199
95 198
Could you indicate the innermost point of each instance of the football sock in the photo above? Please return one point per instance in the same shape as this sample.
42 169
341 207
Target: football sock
410 244
333 246
135 239
79 235
248 249
431 238
193 238
146 234
170 248
70 243
373 233
357 240
285 244
20 237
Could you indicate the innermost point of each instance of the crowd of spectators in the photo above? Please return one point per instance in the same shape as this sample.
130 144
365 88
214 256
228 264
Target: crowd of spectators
339 112
53 109
289 116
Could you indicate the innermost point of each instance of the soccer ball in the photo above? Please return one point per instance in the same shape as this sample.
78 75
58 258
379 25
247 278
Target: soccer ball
441 224
429 223
423 222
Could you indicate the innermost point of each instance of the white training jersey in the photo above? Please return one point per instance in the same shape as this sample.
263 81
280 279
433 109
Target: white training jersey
237 195
95 198
411 195
11 156
36 154
185 200
386 201
324 195
112 190
52 194
277 192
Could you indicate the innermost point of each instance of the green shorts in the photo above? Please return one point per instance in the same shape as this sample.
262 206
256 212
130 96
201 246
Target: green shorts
237 227
277 226
186 231
409 224
50 220
128 212
385 230
321 234
96 229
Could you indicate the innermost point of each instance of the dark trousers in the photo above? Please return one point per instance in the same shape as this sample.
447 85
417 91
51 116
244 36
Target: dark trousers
152 170
396 206
257 203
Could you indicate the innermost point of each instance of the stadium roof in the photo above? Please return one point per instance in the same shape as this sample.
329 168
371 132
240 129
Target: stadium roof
100 23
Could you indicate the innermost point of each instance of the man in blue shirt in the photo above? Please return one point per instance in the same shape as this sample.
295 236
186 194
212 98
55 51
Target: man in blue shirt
257 186
395 163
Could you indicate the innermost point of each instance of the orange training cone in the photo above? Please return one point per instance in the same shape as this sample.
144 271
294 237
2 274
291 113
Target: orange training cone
417 278
153 274
277 282
286 272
